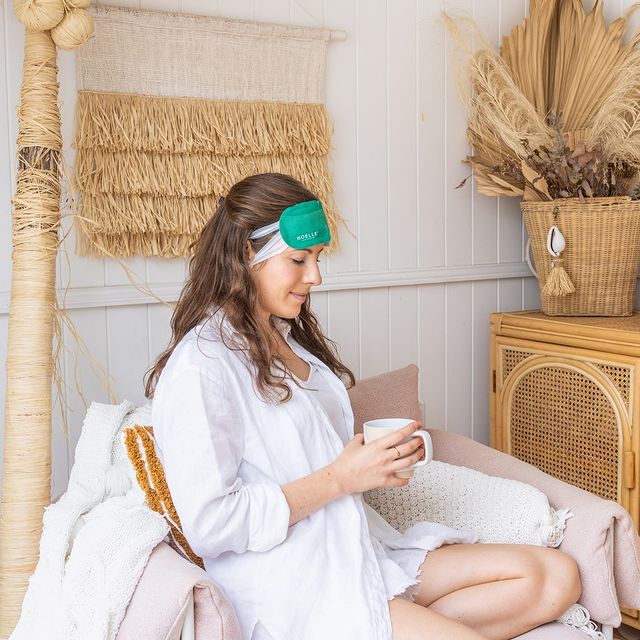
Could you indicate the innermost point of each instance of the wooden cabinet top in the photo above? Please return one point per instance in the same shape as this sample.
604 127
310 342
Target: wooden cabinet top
613 335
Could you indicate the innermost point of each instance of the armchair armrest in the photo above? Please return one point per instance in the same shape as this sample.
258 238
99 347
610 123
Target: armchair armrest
171 589
597 527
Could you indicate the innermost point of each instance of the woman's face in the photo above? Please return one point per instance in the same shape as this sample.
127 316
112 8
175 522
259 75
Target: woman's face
284 281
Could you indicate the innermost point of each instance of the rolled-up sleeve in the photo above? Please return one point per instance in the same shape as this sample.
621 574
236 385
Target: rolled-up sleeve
201 441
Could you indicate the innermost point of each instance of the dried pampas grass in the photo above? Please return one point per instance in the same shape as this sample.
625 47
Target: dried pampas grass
556 112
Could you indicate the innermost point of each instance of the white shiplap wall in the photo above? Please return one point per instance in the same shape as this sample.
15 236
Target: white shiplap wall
424 264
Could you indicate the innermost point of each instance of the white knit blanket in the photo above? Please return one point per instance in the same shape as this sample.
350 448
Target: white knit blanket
95 543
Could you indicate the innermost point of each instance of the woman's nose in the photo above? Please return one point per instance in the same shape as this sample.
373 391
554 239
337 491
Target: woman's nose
312 275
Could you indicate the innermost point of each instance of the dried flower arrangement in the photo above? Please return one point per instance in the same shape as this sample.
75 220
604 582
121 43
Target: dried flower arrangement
556 112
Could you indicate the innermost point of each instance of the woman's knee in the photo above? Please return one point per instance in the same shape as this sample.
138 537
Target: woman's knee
560 583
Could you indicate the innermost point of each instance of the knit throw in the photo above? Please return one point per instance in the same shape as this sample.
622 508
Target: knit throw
173 109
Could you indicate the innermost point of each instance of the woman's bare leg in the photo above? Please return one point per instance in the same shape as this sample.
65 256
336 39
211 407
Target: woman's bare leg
412 622
501 591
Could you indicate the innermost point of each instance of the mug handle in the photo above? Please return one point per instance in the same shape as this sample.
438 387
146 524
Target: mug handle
428 447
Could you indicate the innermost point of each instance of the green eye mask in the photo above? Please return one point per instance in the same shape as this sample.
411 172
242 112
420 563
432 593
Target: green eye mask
304 225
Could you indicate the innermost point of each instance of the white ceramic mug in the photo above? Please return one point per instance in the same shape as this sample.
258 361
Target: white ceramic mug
374 429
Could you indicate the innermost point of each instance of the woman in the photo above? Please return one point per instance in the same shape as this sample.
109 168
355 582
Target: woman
255 431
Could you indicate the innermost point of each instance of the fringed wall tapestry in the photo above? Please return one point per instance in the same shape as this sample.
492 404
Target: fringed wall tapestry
174 109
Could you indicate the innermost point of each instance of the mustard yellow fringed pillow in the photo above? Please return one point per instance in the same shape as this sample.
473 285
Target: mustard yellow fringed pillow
138 442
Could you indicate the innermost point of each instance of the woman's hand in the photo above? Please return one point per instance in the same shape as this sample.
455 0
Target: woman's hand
361 467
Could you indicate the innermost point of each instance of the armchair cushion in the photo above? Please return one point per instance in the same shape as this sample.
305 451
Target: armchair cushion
389 395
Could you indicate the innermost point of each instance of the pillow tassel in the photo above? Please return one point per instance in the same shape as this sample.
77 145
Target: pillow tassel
552 527
578 617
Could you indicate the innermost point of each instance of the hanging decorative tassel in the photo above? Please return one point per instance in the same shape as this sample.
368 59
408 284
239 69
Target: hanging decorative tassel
558 282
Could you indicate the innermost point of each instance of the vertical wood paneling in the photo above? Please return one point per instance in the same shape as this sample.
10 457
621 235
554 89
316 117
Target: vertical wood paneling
404 345
240 9
60 466
342 104
128 350
510 295
372 136
485 300
115 271
485 208
278 11
308 13
161 5
320 308
198 7
343 327
85 377
509 230
401 128
432 186
459 205
459 357
530 293
158 317
374 332
433 354
166 269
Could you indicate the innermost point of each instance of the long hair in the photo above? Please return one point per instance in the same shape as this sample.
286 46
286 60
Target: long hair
220 278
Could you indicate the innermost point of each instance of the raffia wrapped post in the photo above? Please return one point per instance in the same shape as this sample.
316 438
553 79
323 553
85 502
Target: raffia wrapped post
27 427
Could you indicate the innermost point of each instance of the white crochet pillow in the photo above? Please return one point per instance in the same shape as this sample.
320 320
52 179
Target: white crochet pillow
497 509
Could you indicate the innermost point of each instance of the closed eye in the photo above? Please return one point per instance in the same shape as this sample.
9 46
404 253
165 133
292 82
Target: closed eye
300 261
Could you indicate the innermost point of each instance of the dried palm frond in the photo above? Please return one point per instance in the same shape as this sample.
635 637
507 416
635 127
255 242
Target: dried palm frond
525 52
499 110
500 115
616 125
489 184
570 23
556 113
599 53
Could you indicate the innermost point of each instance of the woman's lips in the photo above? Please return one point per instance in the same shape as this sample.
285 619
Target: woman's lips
299 297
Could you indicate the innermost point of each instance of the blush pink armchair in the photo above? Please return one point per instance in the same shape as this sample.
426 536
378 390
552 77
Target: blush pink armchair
175 600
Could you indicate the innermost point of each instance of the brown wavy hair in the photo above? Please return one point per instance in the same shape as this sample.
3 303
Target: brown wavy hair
220 278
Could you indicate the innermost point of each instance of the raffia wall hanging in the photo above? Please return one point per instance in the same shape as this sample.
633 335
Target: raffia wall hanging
173 109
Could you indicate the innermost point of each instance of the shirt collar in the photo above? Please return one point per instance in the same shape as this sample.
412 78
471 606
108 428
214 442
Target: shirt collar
282 326
221 322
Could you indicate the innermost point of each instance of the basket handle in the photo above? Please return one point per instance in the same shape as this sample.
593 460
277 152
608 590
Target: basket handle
527 256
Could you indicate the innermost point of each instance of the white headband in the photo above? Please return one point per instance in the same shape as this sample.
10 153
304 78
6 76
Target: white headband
274 245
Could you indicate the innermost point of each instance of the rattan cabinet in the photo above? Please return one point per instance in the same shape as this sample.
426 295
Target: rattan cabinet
565 397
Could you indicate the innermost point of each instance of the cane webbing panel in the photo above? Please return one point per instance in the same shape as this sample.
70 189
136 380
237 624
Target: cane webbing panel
620 377
564 424
511 358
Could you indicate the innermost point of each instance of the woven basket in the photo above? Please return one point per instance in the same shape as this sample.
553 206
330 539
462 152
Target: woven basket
602 255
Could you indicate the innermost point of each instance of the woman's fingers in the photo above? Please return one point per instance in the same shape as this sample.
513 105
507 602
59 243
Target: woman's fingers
394 481
405 449
403 463
395 438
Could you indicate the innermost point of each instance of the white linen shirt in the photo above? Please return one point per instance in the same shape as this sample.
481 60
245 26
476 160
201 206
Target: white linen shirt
226 452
